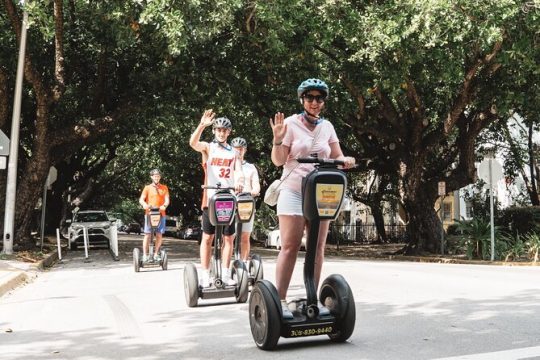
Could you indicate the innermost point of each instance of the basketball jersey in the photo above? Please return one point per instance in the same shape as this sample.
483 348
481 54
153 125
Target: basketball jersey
218 168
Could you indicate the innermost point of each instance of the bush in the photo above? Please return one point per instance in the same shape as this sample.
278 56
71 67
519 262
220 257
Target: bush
477 240
532 241
520 220
516 247
453 229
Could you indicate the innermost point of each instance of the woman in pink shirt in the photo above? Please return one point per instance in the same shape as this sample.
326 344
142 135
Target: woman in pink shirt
301 135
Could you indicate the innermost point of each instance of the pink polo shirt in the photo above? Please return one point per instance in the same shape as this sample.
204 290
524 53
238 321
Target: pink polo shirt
299 139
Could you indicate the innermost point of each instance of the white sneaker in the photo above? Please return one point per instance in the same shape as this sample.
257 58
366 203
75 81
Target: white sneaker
204 280
287 314
227 280
323 310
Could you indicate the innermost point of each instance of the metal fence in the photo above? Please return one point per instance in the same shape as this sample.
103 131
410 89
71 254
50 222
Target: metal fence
364 233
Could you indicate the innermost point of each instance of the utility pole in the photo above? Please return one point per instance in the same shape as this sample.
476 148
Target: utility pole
11 185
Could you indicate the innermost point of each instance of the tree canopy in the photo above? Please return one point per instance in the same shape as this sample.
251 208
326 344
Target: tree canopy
413 84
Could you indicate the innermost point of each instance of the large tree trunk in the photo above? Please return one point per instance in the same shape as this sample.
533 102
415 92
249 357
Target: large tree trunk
378 218
533 168
30 187
423 228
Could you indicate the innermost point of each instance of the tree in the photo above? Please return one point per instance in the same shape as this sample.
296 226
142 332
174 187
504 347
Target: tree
85 70
415 82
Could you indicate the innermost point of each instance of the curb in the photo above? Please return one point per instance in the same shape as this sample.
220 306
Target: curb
14 280
47 261
445 260
18 277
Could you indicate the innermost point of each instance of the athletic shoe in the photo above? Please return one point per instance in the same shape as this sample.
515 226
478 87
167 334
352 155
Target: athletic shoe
157 257
204 280
145 258
227 280
322 309
287 314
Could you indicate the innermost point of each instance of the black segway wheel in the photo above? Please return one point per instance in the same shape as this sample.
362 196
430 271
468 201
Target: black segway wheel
256 268
265 315
337 296
240 275
164 259
136 259
191 285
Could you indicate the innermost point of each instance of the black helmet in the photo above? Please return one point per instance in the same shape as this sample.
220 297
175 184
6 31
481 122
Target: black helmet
222 122
155 171
313 84
239 142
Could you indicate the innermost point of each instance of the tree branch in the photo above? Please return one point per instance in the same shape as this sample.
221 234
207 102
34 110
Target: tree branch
467 87
357 95
59 72
30 74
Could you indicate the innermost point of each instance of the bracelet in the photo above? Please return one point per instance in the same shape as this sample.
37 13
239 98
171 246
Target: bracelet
279 143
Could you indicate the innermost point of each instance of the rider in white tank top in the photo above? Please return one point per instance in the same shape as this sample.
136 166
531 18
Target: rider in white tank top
218 168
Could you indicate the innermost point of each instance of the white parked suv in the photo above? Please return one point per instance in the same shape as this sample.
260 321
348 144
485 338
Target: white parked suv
98 224
273 239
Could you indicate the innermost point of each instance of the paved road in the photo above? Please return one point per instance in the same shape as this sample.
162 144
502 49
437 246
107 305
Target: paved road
104 310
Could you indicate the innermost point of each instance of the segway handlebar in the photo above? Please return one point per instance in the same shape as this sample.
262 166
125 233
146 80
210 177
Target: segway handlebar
217 187
313 160
332 163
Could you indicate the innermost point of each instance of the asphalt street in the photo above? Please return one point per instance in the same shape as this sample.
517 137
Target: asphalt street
102 309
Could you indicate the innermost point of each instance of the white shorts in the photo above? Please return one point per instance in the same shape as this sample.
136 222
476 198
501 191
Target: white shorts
289 203
248 227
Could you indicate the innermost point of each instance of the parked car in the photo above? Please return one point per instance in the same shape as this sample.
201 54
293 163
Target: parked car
98 224
191 231
273 239
171 226
134 227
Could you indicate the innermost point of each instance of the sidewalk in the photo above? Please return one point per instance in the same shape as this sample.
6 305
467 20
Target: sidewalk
15 272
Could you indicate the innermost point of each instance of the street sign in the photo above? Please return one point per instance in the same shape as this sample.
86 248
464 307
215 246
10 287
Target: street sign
4 145
442 188
496 171
51 178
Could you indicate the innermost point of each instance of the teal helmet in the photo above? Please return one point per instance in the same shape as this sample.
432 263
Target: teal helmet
313 84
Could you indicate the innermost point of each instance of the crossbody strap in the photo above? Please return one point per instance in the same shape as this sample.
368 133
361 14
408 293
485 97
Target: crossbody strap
298 164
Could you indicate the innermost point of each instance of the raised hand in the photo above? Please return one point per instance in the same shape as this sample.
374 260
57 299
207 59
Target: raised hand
279 128
208 118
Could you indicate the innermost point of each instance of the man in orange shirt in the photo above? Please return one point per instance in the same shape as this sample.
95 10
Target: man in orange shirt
154 195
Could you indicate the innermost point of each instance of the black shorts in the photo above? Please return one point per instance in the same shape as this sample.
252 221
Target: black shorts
208 228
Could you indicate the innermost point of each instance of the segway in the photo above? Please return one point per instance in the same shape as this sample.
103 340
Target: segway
153 218
322 196
221 211
245 208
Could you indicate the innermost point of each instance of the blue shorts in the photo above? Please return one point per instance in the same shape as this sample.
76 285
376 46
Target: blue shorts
148 229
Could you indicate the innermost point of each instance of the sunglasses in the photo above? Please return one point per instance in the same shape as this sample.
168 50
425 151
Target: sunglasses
318 98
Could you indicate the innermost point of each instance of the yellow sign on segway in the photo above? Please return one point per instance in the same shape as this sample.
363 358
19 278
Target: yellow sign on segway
328 198
245 210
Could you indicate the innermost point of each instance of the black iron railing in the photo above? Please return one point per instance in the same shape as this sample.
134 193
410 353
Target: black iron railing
364 233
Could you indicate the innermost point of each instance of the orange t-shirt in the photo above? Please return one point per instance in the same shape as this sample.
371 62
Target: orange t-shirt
154 195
